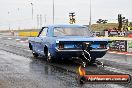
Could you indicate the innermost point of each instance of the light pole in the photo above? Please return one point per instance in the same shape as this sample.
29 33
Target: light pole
90 16
32 14
45 19
32 10
41 20
18 17
53 12
9 22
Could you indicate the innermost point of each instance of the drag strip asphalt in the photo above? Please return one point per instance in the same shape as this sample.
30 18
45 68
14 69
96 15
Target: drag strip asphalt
22 70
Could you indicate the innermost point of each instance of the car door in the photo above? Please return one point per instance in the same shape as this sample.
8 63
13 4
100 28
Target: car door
43 39
36 43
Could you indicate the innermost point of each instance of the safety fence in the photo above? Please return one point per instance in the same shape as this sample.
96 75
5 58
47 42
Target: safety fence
120 44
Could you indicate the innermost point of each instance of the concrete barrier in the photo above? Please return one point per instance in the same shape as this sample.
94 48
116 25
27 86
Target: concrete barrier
28 34
117 38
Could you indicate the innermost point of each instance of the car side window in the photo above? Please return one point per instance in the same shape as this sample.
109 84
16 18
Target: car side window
43 32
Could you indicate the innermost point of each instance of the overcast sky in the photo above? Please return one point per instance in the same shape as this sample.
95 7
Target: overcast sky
18 13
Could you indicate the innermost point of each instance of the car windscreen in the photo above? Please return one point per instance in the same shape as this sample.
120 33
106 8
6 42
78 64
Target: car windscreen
72 31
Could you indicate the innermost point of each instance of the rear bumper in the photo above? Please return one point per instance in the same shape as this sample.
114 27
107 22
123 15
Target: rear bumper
78 50
95 53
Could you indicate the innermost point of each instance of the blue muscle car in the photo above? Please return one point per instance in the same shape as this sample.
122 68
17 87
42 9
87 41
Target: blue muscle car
68 41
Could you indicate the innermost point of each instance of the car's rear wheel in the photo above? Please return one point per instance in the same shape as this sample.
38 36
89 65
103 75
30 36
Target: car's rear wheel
35 54
48 55
49 58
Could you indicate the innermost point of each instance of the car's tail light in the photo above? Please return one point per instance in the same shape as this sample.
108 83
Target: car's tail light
61 46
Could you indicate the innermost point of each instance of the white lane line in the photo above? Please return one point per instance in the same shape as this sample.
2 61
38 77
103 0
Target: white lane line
22 41
26 41
18 39
121 53
112 52
118 70
129 54
9 38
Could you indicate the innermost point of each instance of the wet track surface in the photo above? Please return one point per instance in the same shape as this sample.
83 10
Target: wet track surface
19 69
